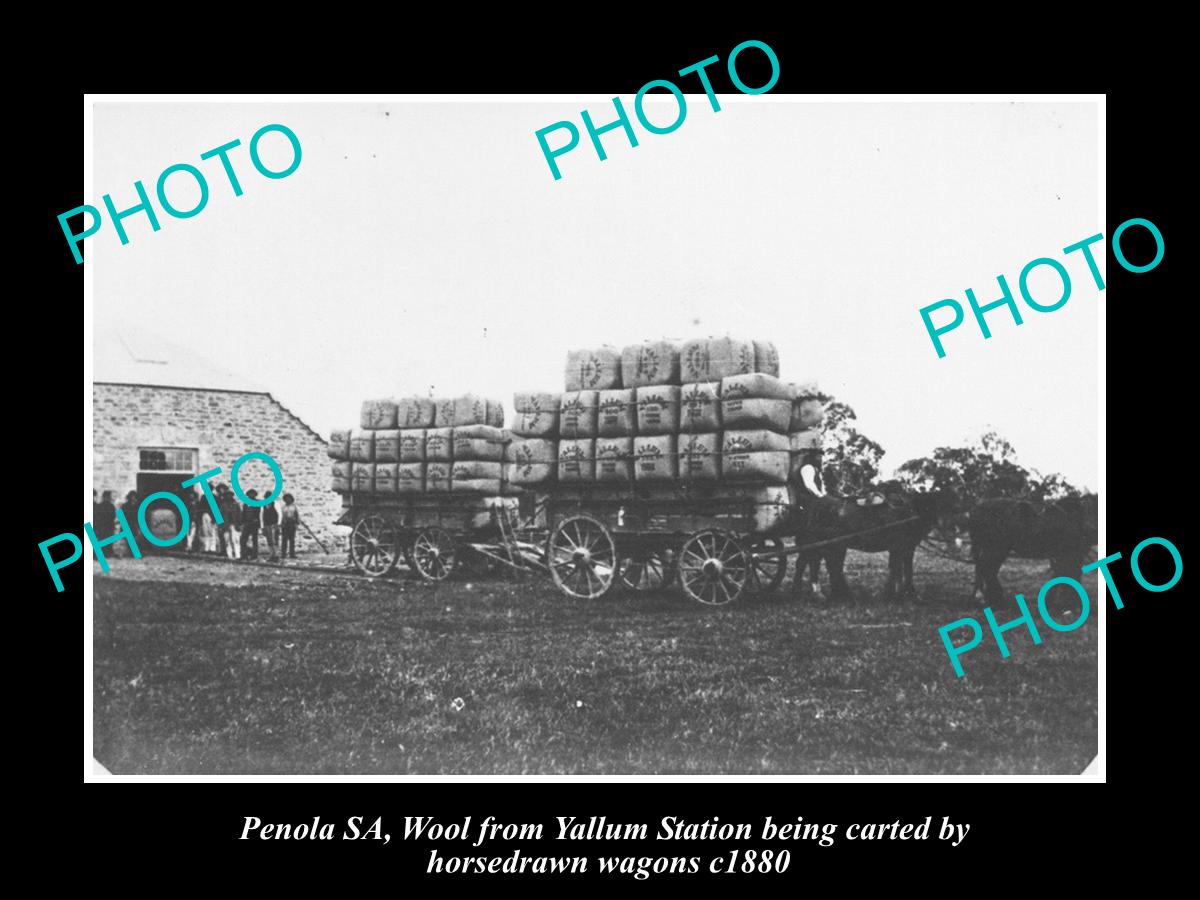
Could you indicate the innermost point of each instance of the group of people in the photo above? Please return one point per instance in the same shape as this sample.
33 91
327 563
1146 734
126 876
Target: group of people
237 536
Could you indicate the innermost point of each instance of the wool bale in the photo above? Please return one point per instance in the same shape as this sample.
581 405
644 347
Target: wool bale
495 413
476 470
410 478
339 444
524 451
806 413
479 442
521 475
469 409
656 457
617 416
577 416
754 441
772 505
700 407
758 385
529 461
653 362
658 409
362 445
700 457
593 370
614 459
362 477
766 466
490 486
577 460
378 414
766 358
536 414
341 476
412 445
387 446
756 412
443 412
385 478
808 439
415 412
439 445
711 359
437 476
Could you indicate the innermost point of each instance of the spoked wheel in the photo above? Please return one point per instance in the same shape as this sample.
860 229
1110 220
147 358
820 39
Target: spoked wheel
713 568
374 546
582 557
647 570
433 554
768 565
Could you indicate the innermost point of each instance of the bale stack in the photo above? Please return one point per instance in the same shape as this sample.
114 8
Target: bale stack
421 445
756 410
478 459
710 410
657 414
531 456
808 413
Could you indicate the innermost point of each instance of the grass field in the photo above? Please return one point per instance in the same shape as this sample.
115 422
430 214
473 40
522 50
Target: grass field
213 667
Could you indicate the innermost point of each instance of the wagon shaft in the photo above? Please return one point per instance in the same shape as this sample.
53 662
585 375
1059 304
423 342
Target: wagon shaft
842 539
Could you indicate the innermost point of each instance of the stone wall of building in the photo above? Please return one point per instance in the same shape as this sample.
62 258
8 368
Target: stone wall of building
222 426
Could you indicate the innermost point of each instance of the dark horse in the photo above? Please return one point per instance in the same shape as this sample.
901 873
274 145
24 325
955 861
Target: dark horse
1062 531
892 520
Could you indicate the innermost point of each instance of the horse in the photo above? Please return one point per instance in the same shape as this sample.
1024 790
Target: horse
1062 531
893 519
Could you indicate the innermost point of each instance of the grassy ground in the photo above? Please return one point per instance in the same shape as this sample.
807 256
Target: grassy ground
213 667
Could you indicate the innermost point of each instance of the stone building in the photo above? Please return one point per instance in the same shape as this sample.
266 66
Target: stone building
161 414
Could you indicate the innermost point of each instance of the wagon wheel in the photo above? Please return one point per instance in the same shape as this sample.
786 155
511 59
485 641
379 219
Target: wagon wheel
433 553
713 568
582 557
768 565
647 570
374 546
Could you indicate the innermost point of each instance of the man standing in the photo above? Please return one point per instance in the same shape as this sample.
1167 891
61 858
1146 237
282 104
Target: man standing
291 520
130 509
270 521
251 523
104 516
230 530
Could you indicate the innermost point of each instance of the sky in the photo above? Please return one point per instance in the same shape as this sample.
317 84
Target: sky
426 245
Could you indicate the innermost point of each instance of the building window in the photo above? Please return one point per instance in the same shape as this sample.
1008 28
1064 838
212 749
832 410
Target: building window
166 459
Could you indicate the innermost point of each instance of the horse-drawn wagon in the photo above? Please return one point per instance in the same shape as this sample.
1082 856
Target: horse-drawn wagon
657 463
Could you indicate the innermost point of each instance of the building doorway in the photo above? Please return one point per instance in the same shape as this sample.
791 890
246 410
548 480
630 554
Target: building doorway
164 469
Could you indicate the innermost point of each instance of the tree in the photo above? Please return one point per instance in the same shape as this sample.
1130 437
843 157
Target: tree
1054 487
850 458
986 468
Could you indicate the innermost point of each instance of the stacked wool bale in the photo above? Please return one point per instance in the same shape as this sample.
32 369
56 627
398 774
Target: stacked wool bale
756 410
531 457
662 418
656 414
808 412
409 447
716 409
590 373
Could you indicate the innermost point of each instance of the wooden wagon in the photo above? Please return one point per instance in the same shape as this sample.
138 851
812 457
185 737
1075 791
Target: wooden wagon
588 538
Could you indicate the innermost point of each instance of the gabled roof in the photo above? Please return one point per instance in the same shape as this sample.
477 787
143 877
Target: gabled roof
125 353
